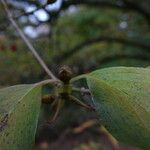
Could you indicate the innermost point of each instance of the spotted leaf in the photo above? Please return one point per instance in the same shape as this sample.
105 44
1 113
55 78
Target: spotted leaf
19 110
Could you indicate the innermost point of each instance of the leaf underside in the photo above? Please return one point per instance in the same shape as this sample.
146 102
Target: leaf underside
19 111
122 95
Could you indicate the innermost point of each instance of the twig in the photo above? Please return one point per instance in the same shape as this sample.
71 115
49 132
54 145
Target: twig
29 45
58 108
84 126
48 81
82 90
77 101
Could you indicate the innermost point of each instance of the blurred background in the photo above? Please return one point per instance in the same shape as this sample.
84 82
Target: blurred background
84 34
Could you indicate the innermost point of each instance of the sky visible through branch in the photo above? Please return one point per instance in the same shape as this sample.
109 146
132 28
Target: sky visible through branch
39 15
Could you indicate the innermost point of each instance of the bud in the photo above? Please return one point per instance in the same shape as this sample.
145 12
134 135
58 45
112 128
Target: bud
65 74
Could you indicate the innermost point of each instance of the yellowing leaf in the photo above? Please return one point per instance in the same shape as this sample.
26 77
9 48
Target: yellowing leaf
19 110
123 98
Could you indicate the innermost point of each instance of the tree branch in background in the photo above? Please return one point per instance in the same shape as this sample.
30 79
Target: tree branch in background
138 8
89 42
111 58
105 60
125 5
29 45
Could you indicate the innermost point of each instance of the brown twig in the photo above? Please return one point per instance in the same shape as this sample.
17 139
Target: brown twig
58 108
29 45
89 107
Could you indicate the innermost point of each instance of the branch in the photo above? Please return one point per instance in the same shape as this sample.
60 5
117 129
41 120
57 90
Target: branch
113 57
95 3
103 3
121 56
77 101
88 42
138 8
29 45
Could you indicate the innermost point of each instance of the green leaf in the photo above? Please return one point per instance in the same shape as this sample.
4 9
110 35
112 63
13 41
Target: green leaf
19 111
123 98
